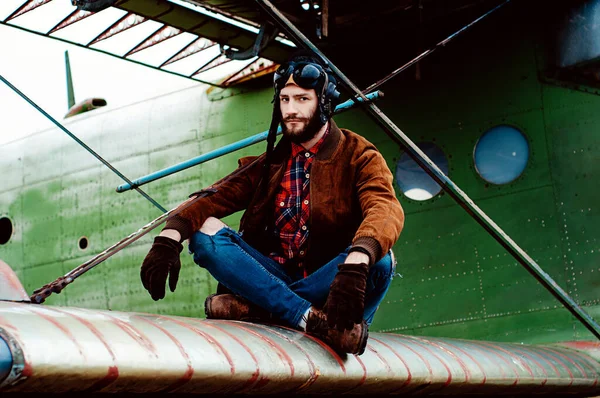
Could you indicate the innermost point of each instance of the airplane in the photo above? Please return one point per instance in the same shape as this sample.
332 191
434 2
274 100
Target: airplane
506 109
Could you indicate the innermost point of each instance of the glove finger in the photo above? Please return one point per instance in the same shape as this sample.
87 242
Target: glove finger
174 276
145 277
331 315
341 324
326 308
337 321
357 315
344 318
157 284
349 324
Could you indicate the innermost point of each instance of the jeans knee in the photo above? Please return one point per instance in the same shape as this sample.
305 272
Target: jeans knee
383 266
381 271
201 247
208 250
198 241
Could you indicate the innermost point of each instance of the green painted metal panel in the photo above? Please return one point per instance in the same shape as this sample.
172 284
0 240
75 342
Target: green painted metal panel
531 327
574 149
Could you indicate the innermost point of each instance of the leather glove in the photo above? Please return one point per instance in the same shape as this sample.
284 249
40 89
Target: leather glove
161 260
345 304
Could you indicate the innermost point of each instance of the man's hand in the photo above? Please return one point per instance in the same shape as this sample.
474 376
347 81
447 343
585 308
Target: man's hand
345 304
161 260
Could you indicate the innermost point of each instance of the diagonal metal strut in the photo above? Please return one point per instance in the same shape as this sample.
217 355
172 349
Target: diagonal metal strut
430 168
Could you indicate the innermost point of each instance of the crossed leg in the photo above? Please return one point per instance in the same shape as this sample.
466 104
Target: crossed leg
250 274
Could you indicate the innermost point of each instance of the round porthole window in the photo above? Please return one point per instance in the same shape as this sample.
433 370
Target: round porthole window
414 182
83 243
6 230
501 154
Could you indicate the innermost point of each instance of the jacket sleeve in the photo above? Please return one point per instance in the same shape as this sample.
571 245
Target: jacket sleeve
383 217
232 194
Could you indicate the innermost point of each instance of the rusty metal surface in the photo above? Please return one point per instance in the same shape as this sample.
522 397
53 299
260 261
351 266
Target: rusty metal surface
11 288
60 349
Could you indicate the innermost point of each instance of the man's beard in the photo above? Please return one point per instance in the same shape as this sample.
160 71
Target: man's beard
312 125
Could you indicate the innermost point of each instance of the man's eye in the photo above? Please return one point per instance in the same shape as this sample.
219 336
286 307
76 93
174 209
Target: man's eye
284 99
304 98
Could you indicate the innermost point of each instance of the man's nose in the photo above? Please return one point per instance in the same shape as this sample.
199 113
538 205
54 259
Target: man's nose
290 110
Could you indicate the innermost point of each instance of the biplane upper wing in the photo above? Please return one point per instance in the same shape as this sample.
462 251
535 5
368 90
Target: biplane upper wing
223 42
173 36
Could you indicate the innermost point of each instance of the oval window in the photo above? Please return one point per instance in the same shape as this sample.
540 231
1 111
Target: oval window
501 154
414 182
83 243
6 230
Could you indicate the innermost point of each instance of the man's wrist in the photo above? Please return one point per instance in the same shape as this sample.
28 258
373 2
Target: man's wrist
368 245
357 257
171 233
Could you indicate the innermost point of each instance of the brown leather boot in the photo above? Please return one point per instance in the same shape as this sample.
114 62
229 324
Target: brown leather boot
352 341
234 307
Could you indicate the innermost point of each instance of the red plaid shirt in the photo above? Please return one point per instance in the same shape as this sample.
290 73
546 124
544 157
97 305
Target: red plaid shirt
292 205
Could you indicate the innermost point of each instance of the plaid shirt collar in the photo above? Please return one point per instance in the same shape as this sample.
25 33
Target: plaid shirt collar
298 149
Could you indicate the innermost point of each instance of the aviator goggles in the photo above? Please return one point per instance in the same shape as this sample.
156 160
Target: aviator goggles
305 74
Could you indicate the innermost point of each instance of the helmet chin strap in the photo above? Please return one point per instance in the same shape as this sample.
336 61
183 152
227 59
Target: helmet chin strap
323 107
324 114
271 138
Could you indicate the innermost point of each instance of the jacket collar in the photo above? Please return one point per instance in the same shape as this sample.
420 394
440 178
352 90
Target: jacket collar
331 143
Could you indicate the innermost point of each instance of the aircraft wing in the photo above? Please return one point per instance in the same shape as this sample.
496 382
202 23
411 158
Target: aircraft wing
196 38
173 36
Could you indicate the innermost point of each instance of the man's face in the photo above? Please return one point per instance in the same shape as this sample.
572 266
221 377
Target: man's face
298 106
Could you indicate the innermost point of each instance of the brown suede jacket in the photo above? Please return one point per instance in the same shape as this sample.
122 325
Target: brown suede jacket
352 201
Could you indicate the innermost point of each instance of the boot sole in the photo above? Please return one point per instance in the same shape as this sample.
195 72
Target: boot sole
364 337
208 307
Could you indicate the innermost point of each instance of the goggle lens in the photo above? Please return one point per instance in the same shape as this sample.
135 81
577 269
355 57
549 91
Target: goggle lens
281 75
305 75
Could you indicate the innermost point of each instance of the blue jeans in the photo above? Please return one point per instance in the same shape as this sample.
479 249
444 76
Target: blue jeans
258 278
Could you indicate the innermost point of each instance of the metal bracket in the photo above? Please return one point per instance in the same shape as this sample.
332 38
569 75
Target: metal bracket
267 33
93 5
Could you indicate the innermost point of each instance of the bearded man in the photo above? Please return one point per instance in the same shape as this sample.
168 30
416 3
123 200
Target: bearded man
321 217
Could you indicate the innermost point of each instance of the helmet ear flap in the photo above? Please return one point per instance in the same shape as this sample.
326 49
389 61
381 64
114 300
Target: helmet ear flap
332 93
330 101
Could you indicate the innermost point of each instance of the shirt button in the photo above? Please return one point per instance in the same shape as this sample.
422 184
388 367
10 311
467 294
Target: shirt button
282 204
307 175
307 154
306 202
304 227
302 252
